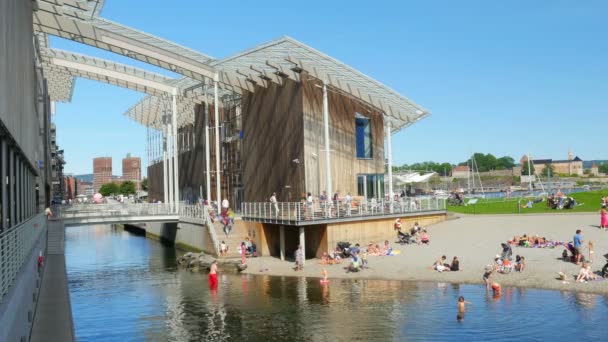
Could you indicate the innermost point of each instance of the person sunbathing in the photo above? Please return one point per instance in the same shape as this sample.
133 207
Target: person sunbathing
523 241
440 265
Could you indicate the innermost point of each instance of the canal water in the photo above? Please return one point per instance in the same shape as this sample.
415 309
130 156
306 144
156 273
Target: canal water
127 288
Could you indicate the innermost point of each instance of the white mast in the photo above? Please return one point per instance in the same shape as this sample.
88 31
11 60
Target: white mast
529 174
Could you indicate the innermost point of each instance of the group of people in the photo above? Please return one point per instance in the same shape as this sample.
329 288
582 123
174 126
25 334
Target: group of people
417 234
533 241
560 201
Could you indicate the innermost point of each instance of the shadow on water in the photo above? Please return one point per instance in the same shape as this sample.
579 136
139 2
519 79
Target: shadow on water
125 287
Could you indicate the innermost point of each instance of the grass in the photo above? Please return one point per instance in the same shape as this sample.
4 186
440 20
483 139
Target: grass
586 202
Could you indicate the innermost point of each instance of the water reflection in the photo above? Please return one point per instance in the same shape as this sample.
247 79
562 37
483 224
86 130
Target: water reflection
124 287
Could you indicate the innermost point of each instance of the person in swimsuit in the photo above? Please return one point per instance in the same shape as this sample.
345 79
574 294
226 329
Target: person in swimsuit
487 276
213 275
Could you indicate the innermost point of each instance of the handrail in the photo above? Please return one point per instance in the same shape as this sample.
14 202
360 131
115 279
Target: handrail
323 210
16 245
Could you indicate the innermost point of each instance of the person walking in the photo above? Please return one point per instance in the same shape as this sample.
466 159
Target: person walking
273 200
578 245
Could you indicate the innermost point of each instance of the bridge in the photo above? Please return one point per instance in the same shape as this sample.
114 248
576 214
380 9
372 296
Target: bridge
91 214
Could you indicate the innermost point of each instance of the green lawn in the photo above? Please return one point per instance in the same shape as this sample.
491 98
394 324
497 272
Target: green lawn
586 202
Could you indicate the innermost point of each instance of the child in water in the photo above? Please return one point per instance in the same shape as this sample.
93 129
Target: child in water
461 303
496 288
461 308
324 273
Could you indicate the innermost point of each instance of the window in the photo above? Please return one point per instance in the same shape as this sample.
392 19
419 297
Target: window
370 185
363 131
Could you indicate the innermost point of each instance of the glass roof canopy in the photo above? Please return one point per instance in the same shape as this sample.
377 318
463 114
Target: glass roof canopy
273 61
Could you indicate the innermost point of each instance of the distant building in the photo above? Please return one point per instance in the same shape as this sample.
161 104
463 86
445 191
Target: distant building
461 171
70 185
571 166
84 188
102 171
594 170
131 170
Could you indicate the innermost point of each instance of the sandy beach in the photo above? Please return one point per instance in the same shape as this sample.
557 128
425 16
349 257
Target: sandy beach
475 240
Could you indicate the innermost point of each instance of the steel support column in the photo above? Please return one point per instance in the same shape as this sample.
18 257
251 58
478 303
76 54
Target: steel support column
282 242
165 167
207 148
390 161
175 150
326 131
303 244
170 161
218 179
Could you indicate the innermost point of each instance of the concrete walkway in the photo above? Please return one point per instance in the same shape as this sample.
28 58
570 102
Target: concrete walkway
53 318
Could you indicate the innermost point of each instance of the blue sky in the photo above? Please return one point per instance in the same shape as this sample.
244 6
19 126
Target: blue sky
505 78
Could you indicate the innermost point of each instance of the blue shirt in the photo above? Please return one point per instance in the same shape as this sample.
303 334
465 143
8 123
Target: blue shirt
578 240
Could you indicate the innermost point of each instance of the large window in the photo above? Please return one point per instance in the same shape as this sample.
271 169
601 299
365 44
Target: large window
363 130
370 185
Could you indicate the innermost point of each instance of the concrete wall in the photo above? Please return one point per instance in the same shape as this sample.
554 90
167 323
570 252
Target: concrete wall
18 306
191 235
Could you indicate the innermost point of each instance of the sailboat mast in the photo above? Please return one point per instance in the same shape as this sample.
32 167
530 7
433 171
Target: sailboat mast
529 174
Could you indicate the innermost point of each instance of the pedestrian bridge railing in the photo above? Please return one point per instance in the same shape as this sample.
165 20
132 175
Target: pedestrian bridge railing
327 211
127 212
113 210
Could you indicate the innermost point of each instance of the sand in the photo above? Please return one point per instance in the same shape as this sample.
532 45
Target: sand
476 241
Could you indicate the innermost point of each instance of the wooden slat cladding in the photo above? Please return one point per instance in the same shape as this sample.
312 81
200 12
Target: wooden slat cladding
273 136
344 163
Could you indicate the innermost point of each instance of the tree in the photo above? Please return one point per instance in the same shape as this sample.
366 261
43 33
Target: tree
603 168
524 169
127 188
445 169
548 170
505 163
109 189
144 183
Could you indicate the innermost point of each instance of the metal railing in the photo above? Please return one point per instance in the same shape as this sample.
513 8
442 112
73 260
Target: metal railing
194 211
113 210
15 246
327 210
76 211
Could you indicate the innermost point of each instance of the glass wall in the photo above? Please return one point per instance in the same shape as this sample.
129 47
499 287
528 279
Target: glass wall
370 185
